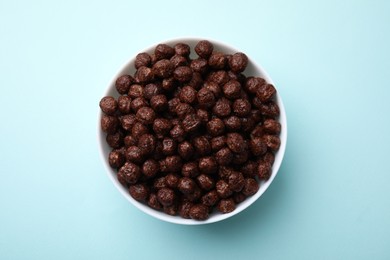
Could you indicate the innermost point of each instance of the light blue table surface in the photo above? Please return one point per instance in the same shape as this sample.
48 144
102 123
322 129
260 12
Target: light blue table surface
330 61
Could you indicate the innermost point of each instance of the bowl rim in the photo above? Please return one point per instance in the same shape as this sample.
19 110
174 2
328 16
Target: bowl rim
218 216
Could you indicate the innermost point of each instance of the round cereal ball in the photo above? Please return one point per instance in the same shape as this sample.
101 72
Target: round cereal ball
109 124
163 68
139 191
235 142
238 62
150 168
166 196
190 169
199 212
204 49
217 60
223 189
199 65
232 89
241 107
163 51
206 98
186 150
187 95
108 105
131 172
182 49
250 187
210 198
215 127
144 75
205 182
222 108
182 74
146 115
226 205
186 185
116 159
142 60
208 165
122 84
159 103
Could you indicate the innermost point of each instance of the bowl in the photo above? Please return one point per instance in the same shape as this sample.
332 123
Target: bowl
253 69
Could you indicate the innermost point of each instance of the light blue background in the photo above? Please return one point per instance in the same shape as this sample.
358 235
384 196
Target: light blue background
330 61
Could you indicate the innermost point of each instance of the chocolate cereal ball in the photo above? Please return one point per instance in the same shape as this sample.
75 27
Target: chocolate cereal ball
146 115
210 198
122 84
139 192
204 49
184 208
208 165
232 89
252 84
271 126
108 105
265 92
161 126
186 185
178 60
217 60
226 205
182 74
232 123
131 172
150 168
224 156
124 104
153 202
206 98
236 181
235 142
202 145
199 65
205 182
134 154
163 51
147 144
218 143
188 95
264 170
136 90
222 108
190 169
250 187
215 127
223 189
238 62
163 68
166 196
142 60
144 75
241 107
191 123
182 49
116 159
109 124
199 212
159 103
185 150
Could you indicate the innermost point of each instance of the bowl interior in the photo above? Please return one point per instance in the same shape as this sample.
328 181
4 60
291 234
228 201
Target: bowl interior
252 70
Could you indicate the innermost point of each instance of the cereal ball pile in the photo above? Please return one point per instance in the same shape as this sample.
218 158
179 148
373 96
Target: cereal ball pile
191 136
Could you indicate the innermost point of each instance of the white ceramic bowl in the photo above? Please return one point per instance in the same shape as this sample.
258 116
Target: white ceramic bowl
253 69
